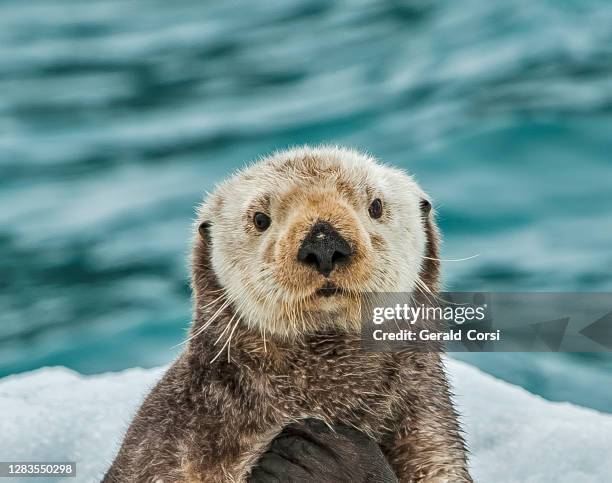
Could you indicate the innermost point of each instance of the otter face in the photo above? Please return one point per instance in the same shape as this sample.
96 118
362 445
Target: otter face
297 238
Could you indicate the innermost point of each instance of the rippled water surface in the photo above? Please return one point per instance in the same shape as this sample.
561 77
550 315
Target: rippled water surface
115 117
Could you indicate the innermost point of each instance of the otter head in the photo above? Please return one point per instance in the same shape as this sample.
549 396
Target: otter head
293 241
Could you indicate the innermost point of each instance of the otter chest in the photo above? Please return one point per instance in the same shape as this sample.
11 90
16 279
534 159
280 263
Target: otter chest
342 382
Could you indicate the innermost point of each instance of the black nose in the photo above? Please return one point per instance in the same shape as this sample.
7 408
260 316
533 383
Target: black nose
323 248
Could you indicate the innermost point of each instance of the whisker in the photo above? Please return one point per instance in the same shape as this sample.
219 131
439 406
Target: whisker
227 326
227 342
436 295
224 305
452 259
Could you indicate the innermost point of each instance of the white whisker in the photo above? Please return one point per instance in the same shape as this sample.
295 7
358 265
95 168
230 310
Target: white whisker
452 259
227 342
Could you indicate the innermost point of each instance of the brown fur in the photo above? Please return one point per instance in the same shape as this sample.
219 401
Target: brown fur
212 415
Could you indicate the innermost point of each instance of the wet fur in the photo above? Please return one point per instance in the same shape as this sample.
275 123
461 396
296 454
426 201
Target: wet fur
210 421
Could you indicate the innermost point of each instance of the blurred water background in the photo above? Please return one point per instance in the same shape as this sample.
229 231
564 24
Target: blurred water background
116 115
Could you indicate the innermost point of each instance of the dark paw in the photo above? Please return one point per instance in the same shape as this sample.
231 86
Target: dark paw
310 451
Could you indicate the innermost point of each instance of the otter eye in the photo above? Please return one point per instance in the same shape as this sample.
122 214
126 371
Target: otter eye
376 208
261 221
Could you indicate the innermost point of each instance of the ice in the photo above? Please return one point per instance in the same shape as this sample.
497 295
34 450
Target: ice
54 414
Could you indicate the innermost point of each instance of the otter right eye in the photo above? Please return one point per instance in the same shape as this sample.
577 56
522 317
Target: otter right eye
261 221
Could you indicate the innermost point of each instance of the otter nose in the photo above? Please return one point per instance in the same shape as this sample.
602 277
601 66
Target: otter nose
324 248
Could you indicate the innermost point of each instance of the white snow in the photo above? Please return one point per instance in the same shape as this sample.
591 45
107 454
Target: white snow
55 414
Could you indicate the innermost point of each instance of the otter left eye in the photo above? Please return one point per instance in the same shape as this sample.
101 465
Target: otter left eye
376 208
261 221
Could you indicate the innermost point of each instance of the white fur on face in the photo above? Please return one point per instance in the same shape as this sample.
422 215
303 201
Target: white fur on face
259 271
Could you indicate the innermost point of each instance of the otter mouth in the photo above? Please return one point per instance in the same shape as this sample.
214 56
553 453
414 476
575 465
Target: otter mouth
328 290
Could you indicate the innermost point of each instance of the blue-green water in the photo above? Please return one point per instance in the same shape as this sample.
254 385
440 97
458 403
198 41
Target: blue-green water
115 116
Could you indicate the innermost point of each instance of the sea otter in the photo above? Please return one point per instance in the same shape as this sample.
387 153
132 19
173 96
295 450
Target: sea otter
283 251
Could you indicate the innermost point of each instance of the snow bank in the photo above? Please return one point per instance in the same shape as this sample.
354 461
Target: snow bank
58 415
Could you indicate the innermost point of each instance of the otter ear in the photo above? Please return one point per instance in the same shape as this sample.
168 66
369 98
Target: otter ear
204 230
425 207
